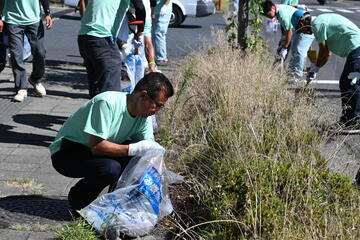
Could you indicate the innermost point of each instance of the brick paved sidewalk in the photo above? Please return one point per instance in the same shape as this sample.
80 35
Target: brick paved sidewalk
33 194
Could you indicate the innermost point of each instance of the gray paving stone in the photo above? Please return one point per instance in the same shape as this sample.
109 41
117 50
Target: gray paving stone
25 151
6 175
7 166
24 159
13 235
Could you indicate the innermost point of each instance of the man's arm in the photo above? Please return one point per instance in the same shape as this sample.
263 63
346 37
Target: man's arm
46 8
288 35
101 147
149 52
82 7
1 15
324 54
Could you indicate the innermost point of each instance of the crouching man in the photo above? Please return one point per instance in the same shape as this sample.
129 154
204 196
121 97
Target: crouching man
90 145
337 34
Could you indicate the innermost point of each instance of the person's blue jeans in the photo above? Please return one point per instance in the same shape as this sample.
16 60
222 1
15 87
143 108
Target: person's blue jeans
350 93
300 45
159 30
76 161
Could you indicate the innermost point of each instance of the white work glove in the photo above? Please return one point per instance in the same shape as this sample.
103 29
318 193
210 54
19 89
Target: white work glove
311 74
354 76
137 43
140 148
282 52
302 6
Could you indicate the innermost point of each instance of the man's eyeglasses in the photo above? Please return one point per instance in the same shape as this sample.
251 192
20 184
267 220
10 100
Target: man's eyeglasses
158 105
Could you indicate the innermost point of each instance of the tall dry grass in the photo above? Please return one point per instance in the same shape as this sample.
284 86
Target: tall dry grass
250 149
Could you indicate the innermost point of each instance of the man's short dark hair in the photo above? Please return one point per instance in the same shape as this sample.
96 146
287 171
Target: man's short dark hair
266 6
153 83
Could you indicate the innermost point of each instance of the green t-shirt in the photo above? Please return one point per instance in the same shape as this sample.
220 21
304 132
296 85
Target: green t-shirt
21 12
148 20
341 35
103 18
107 117
289 2
284 15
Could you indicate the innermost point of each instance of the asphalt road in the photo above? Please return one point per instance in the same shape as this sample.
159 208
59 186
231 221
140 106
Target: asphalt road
62 45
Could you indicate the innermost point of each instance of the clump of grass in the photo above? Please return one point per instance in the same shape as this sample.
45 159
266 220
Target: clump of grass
78 229
24 183
250 147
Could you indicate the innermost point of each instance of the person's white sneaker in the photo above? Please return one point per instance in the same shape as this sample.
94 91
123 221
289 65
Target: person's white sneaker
39 88
20 96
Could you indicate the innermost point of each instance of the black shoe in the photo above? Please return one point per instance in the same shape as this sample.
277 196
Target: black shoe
357 179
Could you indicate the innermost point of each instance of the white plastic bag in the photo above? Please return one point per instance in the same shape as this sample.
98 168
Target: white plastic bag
139 202
272 25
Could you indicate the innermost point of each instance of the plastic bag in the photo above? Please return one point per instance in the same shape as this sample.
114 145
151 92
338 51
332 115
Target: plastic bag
272 25
139 202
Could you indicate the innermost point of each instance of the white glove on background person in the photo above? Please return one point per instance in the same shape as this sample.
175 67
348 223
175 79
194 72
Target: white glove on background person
137 43
302 6
283 52
140 148
354 76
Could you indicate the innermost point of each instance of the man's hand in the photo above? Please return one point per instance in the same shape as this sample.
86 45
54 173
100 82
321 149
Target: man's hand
282 52
140 148
311 75
48 22
1 25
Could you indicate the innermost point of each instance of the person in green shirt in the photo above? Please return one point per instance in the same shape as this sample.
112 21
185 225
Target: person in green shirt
99 28
336 34
23 17
297 42
93 143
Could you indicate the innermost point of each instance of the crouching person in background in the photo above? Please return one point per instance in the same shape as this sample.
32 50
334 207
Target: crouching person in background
91 143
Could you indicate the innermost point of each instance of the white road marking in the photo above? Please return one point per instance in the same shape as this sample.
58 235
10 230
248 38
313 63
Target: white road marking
344 10
326 82
324 10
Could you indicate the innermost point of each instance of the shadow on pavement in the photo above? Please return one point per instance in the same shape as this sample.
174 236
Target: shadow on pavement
65 73
68 17
187 26
8 136
67 94
42 121
25 209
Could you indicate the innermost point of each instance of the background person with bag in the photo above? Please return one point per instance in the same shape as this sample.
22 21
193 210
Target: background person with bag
90 145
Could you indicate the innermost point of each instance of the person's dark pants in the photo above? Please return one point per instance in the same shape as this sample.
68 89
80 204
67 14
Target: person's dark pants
3 52
350 94
35 34
102 61
76 161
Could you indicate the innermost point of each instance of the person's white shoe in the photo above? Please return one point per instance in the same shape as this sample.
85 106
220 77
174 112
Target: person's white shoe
39 88
20 96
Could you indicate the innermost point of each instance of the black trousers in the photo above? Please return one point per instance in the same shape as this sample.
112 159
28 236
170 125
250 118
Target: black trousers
350 94
75 160
102 61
